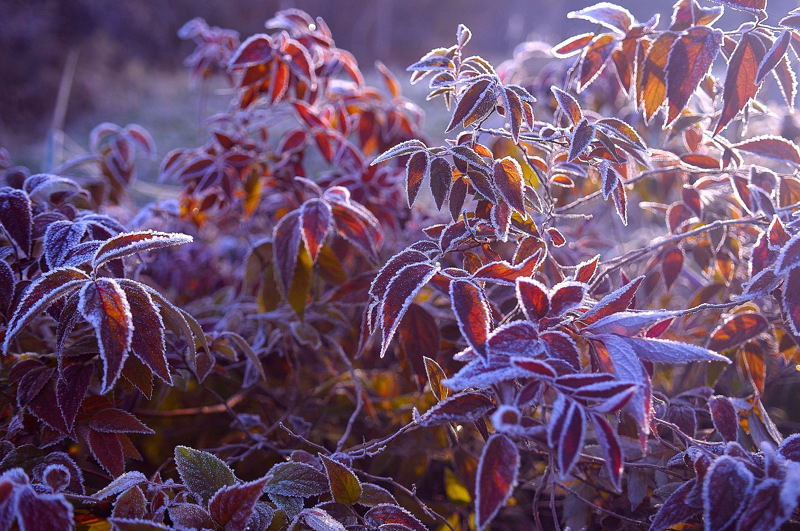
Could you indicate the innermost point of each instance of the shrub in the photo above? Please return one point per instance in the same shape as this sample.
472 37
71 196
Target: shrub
542 354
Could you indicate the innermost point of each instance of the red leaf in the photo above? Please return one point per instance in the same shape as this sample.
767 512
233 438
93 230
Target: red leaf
387 514
537 368
773 147
585 270
612 451
472 313
315 222
39 295
114 420
724 416
460 408
286 238
565 433
736 330
419 335
791 300
104 305
671 265
16 217
107 449
595 57
496 477
533 297
147 341
572 45
518 338
509 182
502 272
565 296
42 512
789 257
475 103
675 509
441 180
614 302
417 169
232 506
726 489
400 293
568 104
690 59
740 81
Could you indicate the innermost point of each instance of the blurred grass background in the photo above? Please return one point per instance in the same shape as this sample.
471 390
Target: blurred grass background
128 59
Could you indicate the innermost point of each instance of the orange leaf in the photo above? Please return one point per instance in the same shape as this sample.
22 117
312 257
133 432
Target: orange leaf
740 81
653 86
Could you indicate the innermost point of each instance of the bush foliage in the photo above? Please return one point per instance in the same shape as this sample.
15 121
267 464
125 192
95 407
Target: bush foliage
581 309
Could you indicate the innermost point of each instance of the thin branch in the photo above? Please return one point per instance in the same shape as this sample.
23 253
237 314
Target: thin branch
600 507
411 494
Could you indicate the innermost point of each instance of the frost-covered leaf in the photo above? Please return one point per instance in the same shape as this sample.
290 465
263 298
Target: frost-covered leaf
611 16
16 217
126 481
315 222
104 305
318 519
344 485
296 479
130 504
129 243
113 420
690 59
611 448
463 407
147 341
42 512
400 293
614 302
39 295
496 477
724 416
202 473
727 487
388 513
736 330
232 506
471 309
59 238
190 516
404 148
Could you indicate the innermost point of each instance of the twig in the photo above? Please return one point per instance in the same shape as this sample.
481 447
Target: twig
600 507
636 254
359 397
189 411
411 494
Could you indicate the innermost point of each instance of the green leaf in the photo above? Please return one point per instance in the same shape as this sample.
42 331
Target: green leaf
202 473
296 479
345 486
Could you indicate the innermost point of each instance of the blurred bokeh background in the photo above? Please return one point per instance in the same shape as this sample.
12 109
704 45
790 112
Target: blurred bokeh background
122 59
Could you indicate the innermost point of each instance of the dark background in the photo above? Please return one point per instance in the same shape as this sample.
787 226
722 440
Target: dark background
129 58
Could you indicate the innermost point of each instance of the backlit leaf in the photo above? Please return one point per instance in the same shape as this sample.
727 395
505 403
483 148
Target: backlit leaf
129 243
496 477
736 330
690 59
104 305
232 505
740 81
344 485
